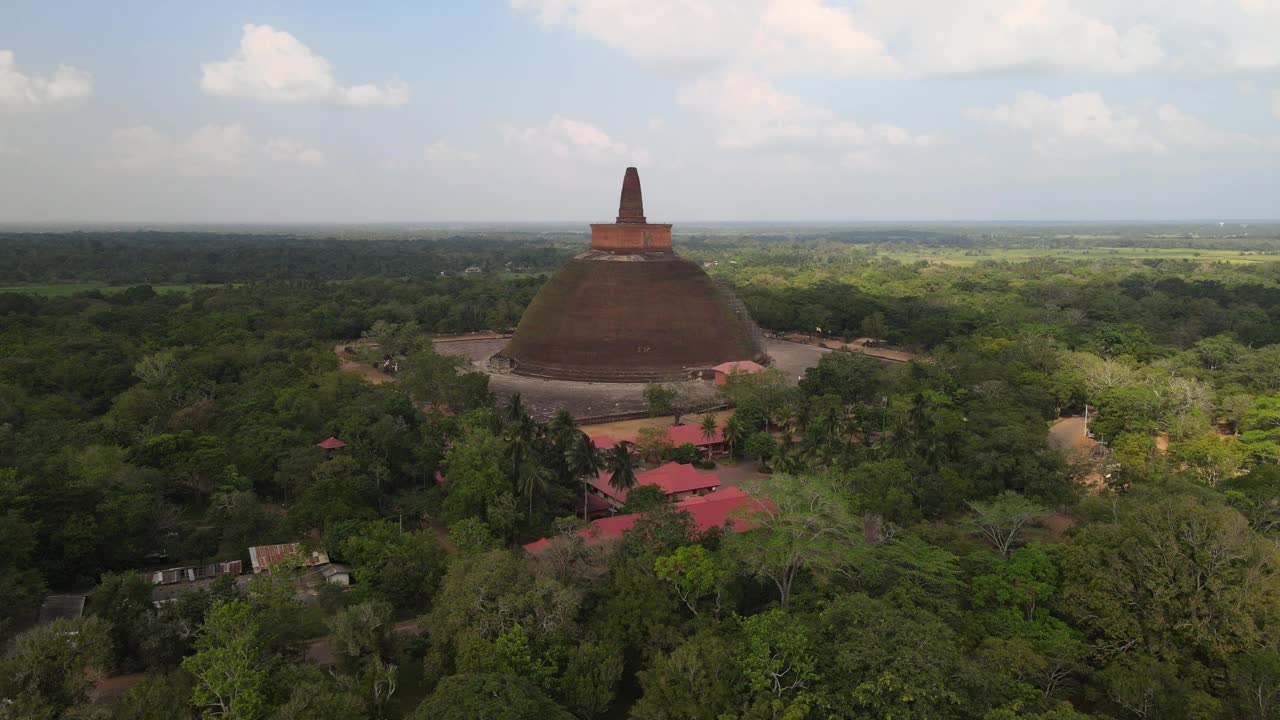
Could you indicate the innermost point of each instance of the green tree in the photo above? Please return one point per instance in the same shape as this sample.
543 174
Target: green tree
489 695
472 536
124 601
762 446
317 697
698 680
1174 577
734 432
853 377
1002 521
509 653
591 675
643 498
473 475
401 568
776 656
361 631
660 400
584 461
1255 685
1209 458
50 668
694 574
158 696
708 428
620 461
804 525
875 327
230 665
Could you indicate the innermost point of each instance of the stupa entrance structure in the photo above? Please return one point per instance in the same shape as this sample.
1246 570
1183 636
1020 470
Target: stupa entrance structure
630 310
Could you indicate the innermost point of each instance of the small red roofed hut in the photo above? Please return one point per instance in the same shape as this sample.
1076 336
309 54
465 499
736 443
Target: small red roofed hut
332 443
746 367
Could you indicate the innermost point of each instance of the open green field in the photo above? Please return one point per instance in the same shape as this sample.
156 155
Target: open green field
970 256
69 289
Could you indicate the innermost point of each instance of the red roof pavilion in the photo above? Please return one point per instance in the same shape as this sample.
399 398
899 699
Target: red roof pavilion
672 478
709 511
332 443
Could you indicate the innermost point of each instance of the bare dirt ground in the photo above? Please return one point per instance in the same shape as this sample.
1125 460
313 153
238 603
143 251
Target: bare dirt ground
734 475
866 346
587 400
320 652
1069 435
584 400
469 336
793 358
350 364
630 429
109 689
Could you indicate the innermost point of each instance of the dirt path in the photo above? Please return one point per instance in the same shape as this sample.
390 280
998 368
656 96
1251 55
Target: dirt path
349 364
1070 435
468 336
109 689
320 652
860 345
630 429
441 533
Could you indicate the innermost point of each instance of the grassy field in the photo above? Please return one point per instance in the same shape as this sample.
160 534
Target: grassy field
966 256
68 289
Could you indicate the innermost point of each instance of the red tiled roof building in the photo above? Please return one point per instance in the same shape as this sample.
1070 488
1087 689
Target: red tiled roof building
715 510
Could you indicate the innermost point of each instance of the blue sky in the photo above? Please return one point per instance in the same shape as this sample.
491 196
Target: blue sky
872 110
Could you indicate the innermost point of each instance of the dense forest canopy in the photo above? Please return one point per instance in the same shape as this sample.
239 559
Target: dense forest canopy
924 552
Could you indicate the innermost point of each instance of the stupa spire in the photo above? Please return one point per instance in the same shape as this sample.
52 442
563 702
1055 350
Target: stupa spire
631 206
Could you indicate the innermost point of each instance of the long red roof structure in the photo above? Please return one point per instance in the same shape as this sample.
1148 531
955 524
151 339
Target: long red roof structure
709 511
672 478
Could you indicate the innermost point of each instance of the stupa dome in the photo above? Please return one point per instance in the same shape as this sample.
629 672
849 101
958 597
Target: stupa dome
630 310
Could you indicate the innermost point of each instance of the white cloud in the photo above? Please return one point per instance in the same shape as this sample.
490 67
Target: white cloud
293 151
441 153
777 36
210 150
752 114
568 138
928 37
810 37
274 66
813 37
8 149
18 90
1084 122
936 38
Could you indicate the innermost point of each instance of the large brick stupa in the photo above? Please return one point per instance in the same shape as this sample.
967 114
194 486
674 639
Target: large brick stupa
630 310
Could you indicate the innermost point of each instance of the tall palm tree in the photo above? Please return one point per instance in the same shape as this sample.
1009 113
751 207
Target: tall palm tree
733 433
531 481
709 427
584 461
562 428
621 461
514 412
